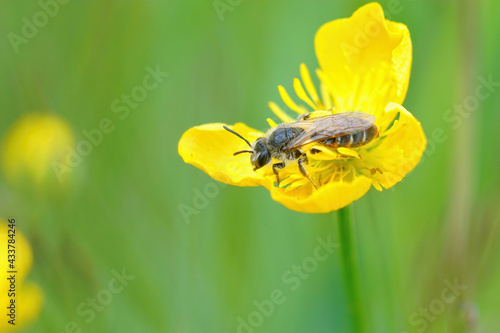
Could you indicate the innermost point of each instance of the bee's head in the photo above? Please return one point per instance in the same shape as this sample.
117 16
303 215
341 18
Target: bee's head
260 154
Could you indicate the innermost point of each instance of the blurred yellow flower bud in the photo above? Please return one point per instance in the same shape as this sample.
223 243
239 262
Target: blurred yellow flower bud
22 300
34 147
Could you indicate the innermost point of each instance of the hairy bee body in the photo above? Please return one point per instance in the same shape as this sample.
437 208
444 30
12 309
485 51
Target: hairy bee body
286 142
278 138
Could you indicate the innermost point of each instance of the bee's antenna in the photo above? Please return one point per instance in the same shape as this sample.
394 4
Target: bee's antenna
242 151
230 130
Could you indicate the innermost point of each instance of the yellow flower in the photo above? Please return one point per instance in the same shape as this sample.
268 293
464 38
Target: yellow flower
28 295
32 145
365 65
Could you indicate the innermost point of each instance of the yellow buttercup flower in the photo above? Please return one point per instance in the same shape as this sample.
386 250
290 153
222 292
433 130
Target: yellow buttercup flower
28 295
32 145
365 65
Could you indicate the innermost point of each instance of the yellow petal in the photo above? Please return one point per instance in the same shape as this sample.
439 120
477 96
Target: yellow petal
210 148
366 60
397 153
327 198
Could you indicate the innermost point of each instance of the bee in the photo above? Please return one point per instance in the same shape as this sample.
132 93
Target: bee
285 142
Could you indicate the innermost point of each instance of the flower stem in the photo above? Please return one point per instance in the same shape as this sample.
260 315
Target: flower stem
349 267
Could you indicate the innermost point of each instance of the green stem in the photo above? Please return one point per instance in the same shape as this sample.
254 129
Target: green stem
349 267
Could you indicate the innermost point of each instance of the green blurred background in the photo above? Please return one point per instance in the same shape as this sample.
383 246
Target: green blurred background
123 210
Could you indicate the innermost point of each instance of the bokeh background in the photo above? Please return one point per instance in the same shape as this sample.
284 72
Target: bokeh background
121 208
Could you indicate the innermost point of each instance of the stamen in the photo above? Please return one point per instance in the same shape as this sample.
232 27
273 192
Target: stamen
325 96
271 122
348 152
299 183
279 113
377 185
311 90
322 76
299 90
289 102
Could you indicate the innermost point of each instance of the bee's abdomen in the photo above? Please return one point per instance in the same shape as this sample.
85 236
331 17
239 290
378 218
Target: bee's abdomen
352 140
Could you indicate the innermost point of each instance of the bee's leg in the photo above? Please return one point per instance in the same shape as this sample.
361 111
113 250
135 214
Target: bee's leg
303 170
276 167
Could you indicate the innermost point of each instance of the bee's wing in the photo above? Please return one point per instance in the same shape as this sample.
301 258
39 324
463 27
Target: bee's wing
331 126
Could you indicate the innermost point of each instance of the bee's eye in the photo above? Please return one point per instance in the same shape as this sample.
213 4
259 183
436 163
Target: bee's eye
263 159
260 156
